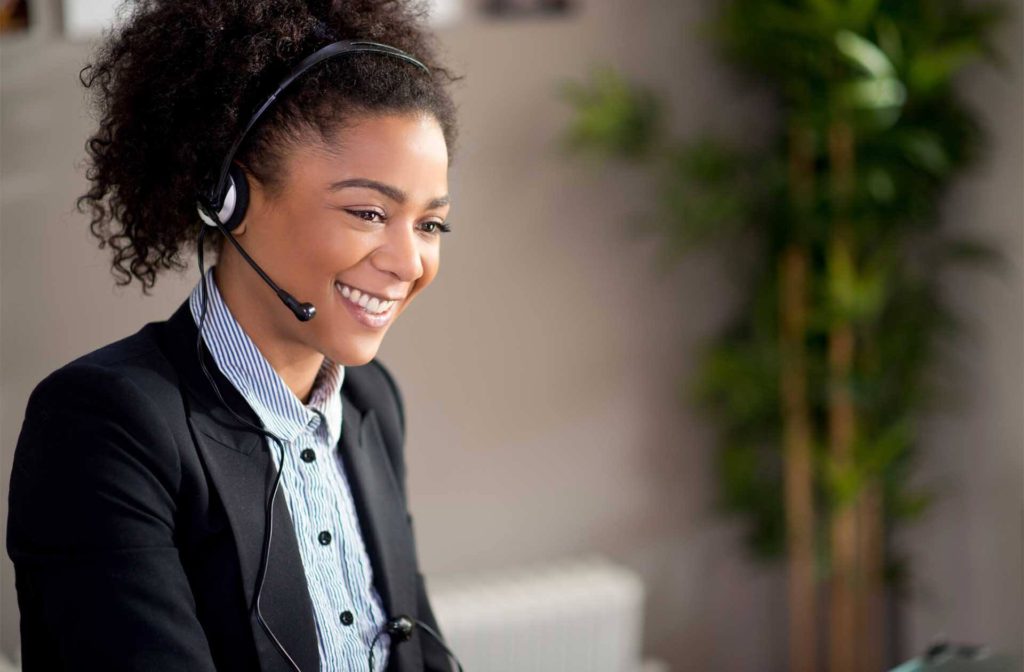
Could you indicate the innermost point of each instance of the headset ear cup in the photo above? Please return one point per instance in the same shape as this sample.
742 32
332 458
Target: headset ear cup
236 202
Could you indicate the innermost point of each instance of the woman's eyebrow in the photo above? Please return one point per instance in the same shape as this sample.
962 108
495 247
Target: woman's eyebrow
394 193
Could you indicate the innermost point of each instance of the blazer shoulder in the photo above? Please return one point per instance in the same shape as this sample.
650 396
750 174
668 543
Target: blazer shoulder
95 417
131 356
130 377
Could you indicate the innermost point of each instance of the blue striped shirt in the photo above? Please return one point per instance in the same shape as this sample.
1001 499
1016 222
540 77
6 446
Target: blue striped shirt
347 608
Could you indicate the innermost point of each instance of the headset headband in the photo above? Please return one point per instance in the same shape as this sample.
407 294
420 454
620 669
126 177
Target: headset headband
215 199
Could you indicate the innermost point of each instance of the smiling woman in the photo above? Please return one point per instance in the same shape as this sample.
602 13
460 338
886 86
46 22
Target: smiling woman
161 455
366 210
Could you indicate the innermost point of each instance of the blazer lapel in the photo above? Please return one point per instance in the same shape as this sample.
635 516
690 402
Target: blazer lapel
383 521
243 474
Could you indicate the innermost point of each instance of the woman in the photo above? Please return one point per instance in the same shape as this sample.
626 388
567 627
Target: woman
225 489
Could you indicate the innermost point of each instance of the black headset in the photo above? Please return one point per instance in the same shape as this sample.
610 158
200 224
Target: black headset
223 207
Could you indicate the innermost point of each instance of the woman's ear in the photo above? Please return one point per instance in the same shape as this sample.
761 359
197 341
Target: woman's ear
257 197
253 197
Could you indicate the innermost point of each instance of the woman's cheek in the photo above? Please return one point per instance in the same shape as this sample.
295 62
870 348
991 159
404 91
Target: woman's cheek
346 249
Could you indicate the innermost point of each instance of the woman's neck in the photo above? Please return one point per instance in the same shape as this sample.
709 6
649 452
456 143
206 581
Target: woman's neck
295 363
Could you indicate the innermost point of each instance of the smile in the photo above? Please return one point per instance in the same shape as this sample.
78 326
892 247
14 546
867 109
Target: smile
367 309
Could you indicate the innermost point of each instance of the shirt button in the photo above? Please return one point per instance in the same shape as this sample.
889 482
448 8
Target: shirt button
324 537
308 455
346 617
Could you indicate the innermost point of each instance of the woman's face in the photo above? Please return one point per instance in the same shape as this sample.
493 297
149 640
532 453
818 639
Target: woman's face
362 214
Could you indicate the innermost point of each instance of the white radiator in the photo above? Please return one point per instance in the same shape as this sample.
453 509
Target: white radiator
581 615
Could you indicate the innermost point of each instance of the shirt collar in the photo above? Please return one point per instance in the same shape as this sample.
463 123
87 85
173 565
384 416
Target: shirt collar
237 356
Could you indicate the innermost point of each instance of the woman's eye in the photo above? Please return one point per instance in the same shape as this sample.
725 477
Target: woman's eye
438 227
367 215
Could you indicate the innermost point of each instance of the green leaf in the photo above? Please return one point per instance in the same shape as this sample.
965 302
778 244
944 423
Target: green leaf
934 68
865 54
872 94
612 116
924 148
828 11
843 482
855 295
877 452
880 184
910 505
860 12
703 192
889 39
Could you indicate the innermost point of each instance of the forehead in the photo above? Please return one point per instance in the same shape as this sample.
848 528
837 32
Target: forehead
408 150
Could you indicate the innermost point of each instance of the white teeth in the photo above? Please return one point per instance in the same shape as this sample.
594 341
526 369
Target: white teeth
369 303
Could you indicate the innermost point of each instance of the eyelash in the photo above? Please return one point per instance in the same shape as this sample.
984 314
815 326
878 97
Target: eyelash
443 227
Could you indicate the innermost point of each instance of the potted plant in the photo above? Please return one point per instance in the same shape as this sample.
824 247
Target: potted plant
818 383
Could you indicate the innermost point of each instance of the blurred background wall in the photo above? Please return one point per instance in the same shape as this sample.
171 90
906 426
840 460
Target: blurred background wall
541 374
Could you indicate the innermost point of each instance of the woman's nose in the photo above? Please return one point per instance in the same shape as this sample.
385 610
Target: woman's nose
401 254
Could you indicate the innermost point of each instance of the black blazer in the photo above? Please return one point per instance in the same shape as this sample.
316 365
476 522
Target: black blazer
137 513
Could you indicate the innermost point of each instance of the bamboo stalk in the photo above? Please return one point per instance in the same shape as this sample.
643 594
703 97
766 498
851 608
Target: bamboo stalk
843 643
797 432
798 468
870 560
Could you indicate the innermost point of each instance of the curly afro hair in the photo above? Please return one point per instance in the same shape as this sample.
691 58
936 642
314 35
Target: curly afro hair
175 83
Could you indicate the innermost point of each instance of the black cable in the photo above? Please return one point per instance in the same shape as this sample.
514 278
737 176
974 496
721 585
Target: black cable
269 523
373 644
403 627
439 640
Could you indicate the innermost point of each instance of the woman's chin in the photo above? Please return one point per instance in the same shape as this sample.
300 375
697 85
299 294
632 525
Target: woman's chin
354 356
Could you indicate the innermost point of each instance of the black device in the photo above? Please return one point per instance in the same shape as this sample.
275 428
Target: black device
223 207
